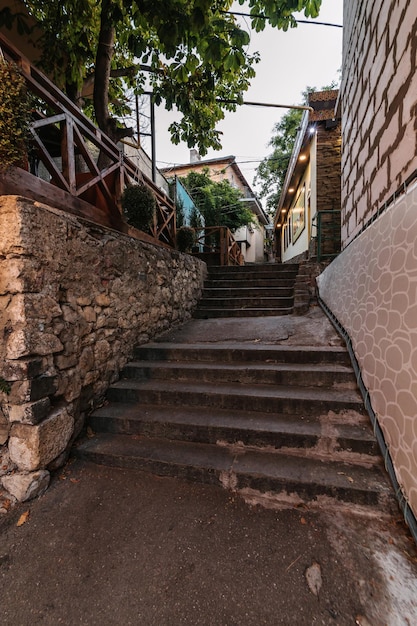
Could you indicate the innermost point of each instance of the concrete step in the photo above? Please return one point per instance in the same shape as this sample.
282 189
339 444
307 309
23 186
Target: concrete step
238 353
248 302
271 422
249 292
242 291
242 276
228 283
299 374
265 398
344 437
277 476
261 268
209 313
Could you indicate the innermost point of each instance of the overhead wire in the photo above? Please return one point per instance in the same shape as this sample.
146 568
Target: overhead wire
265 17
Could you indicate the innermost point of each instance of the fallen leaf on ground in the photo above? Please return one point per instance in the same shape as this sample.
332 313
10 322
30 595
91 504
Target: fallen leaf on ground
74 480
314 579
303 520
23 518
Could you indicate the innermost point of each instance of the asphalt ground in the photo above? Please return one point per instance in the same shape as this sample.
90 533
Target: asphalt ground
120 547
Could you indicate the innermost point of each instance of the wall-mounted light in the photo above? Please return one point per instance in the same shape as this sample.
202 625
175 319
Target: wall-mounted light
302 157
291 190
283 210
312 130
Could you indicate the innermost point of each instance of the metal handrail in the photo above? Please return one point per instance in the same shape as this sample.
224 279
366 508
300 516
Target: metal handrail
327 240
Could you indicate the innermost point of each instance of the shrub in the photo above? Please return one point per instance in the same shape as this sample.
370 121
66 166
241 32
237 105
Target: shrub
185 239
139 206
14 116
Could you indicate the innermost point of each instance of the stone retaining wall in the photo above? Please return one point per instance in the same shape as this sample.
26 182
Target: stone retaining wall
75 299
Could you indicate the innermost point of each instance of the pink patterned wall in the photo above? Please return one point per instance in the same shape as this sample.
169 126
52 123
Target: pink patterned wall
372 289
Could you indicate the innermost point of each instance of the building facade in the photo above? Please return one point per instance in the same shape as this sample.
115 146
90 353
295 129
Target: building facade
307 221
251 238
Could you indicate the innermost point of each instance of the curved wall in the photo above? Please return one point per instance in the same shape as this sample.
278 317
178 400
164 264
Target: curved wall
372 289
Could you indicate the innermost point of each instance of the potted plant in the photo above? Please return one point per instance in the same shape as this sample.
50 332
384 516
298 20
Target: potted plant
185 239
139 206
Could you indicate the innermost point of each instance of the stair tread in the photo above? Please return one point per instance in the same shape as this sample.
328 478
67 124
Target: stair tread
248 290
260 390
239 420
205 312
277 465
297 432
245 366
230 348
243 303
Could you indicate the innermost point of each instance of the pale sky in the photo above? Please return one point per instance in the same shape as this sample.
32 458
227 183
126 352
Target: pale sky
308 55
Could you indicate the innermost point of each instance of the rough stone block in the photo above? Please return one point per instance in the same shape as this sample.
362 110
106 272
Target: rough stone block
4 428
84 300
26 486
89 314
41 307
69 314
30 412
34 447
31 341
102 299
65 362
43 386
102 352
6 466
22 369
10 281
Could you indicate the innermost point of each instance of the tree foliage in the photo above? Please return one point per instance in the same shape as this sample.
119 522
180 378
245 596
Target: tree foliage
218 202
271 172
14 116
196 52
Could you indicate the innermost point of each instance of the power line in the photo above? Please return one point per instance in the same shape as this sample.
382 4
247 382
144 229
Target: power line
264 17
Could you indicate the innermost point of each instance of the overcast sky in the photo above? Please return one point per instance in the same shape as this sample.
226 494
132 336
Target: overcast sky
308 55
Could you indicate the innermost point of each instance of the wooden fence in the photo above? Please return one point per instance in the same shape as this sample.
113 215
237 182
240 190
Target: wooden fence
219 246
64 166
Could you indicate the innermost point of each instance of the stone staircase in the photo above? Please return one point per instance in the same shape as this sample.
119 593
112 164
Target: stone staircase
248 291
276 424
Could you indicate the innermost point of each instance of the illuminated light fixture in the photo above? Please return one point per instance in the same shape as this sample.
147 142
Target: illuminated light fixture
302 157
312 130
283 210
291 190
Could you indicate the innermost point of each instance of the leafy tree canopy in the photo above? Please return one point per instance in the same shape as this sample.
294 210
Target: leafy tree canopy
195 51
271 172
218 202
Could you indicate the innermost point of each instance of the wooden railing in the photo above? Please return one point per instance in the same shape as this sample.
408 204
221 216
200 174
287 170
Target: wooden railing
219 246
75 167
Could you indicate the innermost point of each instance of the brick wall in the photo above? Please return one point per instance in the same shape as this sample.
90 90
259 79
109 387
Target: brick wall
328 168
379 106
